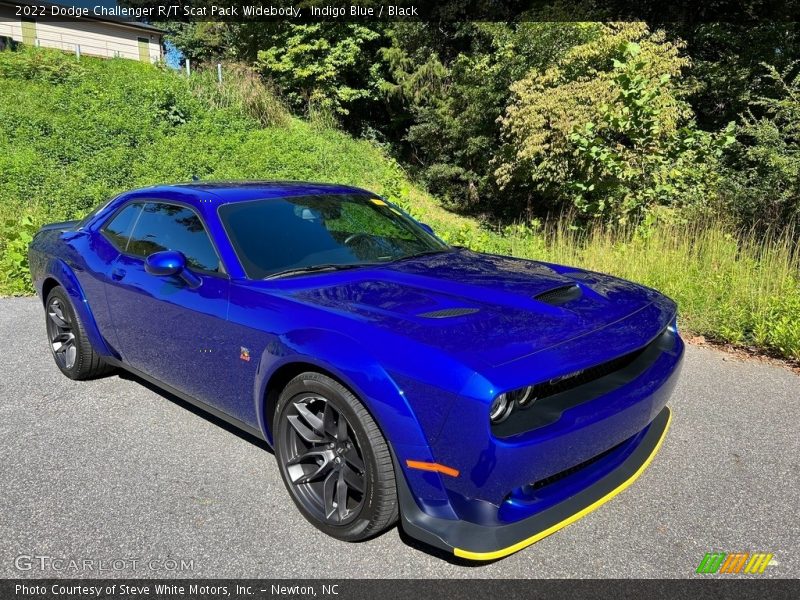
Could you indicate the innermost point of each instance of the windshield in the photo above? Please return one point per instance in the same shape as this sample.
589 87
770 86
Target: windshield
274 235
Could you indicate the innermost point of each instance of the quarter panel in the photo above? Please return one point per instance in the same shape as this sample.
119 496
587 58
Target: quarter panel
73 260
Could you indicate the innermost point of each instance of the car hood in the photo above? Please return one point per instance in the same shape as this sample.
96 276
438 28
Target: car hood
484 309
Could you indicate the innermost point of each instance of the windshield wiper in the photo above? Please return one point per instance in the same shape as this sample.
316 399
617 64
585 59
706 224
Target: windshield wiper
417 255
316 269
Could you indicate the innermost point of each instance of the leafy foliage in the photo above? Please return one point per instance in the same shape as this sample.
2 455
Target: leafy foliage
454 85
321 66
763 183
525 119
17 233
727 60
606 132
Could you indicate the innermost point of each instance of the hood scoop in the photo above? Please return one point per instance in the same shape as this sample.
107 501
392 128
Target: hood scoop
560 295
447 313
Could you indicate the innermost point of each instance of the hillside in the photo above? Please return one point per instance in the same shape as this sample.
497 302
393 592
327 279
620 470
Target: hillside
73 134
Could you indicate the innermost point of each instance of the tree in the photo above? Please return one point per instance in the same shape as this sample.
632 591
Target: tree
606 130
454 81
763 185
323 66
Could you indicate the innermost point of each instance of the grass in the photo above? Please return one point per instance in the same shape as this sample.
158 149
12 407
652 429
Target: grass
738 289
73 134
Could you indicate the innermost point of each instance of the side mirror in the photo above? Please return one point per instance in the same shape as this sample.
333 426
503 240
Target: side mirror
426 227
171 263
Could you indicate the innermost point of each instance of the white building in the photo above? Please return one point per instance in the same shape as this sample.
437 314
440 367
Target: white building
106 37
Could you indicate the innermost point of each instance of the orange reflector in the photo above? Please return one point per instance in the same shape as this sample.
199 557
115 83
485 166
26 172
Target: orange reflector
429 466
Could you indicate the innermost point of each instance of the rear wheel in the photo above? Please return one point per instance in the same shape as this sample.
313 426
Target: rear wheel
71 348
333 459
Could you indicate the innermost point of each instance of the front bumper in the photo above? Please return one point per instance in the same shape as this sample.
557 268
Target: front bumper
484 542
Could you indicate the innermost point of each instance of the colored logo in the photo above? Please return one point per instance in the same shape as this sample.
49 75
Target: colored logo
736 562
244 354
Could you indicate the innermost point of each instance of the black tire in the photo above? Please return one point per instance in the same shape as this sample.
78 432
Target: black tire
315 457
72 351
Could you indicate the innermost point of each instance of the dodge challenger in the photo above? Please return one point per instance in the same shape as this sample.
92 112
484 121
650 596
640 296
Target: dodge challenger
482 401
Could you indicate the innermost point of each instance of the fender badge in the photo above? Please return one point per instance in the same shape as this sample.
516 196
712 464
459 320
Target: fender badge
244 354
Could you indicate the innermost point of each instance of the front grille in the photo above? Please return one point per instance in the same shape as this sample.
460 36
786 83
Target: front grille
446 313
573 380
560 295
562 393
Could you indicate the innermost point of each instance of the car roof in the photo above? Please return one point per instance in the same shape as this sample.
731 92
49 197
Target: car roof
233 191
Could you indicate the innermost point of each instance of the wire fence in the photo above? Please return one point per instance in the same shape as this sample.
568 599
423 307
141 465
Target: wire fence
120 48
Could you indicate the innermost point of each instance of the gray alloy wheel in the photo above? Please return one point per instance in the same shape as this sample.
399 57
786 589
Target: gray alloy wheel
323 459
333 458
69 344
60 334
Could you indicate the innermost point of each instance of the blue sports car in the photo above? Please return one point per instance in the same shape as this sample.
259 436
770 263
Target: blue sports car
484 401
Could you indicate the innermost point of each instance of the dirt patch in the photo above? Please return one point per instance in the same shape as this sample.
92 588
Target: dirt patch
749 353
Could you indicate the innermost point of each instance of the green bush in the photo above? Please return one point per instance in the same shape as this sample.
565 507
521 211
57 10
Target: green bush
763 178
605 131
17 233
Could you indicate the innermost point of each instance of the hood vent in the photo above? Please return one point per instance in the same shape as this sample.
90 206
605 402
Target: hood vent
447 313
560 295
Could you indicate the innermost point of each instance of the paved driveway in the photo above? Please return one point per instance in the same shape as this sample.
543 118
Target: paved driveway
114 470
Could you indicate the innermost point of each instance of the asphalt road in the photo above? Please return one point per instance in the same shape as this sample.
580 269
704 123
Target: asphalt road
114 470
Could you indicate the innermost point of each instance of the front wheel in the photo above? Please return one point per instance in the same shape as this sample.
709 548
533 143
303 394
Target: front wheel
333 459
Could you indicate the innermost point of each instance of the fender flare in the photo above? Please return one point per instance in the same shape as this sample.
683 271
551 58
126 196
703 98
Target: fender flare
359 371
355 368
58 270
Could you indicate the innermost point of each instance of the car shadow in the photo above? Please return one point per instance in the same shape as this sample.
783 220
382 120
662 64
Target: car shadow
247 437
439 553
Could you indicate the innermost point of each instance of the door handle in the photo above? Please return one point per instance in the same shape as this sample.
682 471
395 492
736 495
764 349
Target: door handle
117 274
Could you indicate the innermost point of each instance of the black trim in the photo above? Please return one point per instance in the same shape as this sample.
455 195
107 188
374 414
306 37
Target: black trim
59 226
190 399
447 313
448 534
560 295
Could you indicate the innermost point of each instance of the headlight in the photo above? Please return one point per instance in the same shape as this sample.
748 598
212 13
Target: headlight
501 408
504 404
523 397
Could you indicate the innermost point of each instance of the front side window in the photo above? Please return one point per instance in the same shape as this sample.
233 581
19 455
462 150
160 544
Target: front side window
277 235
118 230
163 226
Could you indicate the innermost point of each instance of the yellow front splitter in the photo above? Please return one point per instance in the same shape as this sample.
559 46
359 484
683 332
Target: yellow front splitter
481 542
460 552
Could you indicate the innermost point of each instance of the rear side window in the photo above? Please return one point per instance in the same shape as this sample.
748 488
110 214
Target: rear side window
172 227
119 228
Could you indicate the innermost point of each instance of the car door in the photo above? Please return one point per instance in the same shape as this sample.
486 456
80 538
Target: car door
165 328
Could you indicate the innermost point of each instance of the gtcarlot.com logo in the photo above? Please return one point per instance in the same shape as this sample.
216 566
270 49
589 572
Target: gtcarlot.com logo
60 564
735 562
